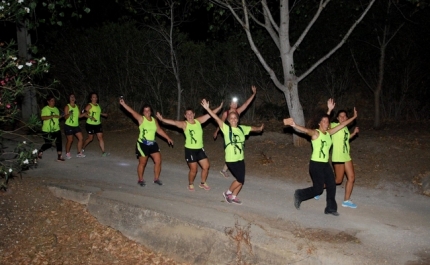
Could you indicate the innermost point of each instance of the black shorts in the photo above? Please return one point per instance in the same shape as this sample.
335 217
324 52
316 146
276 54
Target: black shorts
71 130
194 155
145 149
93 129
238 170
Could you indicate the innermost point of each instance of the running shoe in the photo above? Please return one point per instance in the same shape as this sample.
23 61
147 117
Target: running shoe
349 204
158 181
332 213
60 159
204 186
68 155
105 154
317 197
141 183
224 173
80 155
191 187
227 197
236 201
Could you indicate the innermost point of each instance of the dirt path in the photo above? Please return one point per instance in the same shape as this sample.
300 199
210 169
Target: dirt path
390 225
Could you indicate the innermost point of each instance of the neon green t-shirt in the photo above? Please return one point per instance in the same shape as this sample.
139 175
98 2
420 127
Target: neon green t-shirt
73 119
147 130
53 124
321 147
234 148
193 135
340 152
95 111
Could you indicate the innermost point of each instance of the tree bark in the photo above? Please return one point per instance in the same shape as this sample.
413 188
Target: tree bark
29 104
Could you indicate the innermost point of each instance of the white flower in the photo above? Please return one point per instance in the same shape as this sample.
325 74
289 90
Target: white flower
25 161
10 169
20 1
24 142
43 59
1 7
28 64
14 58
20 66
27 9
34 151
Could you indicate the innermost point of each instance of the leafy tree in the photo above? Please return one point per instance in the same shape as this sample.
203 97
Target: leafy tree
19 74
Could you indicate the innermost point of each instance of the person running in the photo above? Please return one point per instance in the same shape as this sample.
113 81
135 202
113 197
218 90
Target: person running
234 142
94 124
341 159
234 108
319 167
146 145
51 128
194 151
71 126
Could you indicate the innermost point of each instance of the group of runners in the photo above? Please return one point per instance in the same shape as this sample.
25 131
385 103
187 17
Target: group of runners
51 116
324 136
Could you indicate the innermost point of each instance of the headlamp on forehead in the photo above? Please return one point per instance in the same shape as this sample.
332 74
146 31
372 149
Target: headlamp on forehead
234 99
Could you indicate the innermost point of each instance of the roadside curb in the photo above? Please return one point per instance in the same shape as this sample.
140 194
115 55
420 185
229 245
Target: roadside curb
183 240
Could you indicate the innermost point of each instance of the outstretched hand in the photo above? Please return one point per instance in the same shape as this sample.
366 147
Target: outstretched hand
355 113
330 104
289 122
158 115
254 89
205 104
121 101
356 130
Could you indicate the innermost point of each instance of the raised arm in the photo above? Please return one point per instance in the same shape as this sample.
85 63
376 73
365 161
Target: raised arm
135 115
248 101
343 124
204 118
180 124
312 133
163 134
205 105
223 118
330 106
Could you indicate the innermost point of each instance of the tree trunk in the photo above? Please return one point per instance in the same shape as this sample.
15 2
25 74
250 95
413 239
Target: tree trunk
29 104
295 109
378 90
377 98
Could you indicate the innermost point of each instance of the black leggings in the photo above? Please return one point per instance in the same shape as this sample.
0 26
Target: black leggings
49 139
238 170
321 174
